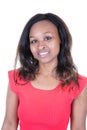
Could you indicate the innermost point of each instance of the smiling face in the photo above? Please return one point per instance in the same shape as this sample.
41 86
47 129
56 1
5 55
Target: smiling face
44 42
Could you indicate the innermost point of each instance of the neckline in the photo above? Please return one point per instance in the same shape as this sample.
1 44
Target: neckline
45 90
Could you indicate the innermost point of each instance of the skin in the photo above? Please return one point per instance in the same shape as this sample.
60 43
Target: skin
11 118
45 46
45 50
44 40
79 111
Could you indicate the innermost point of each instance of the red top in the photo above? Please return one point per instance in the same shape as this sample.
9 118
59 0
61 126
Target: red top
44 109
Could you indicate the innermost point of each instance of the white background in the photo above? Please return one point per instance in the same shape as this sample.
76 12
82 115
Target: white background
13 16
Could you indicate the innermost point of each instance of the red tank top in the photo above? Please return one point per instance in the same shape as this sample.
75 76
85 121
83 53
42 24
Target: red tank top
44 109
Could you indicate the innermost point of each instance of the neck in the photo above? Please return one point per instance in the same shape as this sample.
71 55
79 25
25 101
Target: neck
47 69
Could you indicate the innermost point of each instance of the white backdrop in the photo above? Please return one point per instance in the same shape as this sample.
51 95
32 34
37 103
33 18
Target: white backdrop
13 17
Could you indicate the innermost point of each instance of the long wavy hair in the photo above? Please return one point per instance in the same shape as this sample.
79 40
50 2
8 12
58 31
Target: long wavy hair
29 66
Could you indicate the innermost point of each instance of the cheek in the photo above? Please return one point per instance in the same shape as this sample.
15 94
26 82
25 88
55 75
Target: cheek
33 50
55 48
58 47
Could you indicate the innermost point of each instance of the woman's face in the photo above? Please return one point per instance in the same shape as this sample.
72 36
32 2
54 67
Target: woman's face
44 41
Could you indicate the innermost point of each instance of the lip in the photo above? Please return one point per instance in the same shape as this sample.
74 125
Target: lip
43 54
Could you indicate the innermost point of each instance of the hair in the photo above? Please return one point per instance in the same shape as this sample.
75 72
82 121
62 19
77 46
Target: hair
65 69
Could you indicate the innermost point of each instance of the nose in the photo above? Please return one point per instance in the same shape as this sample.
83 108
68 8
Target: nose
41 45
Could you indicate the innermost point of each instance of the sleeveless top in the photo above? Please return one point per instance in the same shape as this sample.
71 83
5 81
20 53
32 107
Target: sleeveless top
44 109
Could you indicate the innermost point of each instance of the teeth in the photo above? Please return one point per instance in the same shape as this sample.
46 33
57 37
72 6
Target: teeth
43 53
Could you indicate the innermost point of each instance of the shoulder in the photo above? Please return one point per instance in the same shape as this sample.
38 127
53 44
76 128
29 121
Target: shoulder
15 82
14 76
12 72
77 89
82 86
82 79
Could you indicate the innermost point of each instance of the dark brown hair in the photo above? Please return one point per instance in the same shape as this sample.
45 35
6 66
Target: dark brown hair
65 69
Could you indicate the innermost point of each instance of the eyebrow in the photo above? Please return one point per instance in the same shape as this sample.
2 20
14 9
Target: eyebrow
42 33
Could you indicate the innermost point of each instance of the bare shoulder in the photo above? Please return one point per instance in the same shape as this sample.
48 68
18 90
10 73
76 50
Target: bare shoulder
79 111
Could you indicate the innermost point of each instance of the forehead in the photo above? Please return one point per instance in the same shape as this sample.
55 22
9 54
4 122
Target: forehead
43 26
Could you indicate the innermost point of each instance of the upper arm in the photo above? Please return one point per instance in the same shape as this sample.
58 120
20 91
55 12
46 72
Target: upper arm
11 117
79 111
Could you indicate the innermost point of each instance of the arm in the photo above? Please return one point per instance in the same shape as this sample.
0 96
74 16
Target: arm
79 111
11 119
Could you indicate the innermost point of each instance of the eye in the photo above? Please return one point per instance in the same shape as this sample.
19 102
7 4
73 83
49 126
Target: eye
47 38
33 41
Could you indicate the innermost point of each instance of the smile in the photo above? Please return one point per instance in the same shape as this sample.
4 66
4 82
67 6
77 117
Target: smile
43 54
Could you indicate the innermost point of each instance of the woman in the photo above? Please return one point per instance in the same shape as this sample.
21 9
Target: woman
46 90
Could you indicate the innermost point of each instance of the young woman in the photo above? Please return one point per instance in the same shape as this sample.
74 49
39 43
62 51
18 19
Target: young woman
46 90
